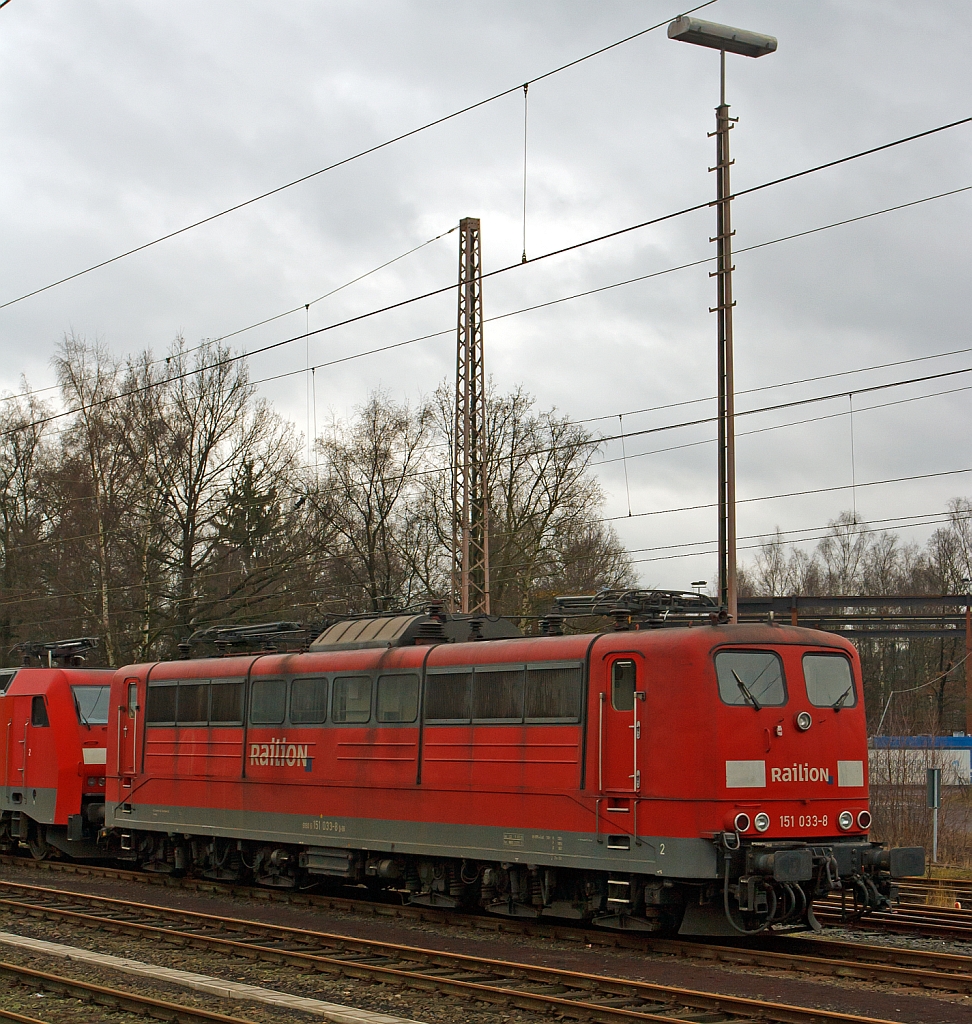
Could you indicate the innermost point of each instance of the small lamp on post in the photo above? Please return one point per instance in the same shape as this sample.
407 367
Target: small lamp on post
750 44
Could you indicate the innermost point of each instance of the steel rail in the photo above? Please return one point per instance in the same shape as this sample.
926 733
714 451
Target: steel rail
932 970
413 965
905 919
19 1018
102 996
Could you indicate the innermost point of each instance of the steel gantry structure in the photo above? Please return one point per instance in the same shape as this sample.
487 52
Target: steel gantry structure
470 521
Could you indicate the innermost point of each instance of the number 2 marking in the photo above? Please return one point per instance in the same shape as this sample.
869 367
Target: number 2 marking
661 850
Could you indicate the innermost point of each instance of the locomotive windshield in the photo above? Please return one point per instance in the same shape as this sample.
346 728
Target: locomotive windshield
751 677
829 682
91 704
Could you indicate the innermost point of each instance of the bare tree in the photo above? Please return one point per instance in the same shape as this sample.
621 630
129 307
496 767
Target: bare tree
369 493
98 463
213 439
22 453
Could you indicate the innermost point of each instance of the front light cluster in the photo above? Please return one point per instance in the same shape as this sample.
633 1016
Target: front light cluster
741 822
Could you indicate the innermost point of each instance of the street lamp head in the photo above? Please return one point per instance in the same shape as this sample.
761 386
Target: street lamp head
721 37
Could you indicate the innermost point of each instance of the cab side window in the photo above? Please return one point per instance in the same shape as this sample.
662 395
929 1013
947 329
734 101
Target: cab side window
38 713
623 685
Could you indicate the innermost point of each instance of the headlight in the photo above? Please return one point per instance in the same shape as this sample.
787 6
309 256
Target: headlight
92 781
741 822
803 721
761 821
864 820
845 820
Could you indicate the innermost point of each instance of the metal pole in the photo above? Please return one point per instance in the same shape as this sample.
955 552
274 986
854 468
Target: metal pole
968 665
726 389
470 526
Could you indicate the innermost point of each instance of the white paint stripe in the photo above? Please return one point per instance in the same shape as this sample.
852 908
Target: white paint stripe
202 983
95 755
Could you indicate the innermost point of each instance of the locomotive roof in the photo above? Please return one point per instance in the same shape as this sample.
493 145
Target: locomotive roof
700 639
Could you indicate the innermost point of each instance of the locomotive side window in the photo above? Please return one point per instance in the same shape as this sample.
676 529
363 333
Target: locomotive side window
553 693
91 704
268 701
6 678
624 679
829 681
308 701
227 703
192 704
448 697
397 698
498 695
351 701
38 713
160 706
751 677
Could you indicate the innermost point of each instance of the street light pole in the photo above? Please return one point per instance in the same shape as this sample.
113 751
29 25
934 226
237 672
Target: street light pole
723 310
751 44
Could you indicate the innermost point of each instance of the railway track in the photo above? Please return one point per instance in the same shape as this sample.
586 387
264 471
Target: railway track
936 888
99 995
541 989
905 919
939 971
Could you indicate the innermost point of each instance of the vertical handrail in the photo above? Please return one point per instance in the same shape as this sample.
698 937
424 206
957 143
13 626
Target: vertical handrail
636 735
600 742
23 770
6 762
118 746
133 711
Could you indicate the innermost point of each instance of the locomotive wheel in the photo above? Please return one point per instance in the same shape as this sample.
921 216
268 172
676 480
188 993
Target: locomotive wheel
37 842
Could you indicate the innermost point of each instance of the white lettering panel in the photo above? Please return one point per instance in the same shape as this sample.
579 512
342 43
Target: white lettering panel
850 773
745 774
95 755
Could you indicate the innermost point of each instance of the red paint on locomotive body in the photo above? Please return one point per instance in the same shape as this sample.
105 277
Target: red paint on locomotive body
53 742
675 760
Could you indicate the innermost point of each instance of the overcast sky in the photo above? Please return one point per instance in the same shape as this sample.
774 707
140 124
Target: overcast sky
123 121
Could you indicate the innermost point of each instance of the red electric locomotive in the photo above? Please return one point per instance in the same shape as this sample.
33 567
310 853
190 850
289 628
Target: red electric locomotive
53 740
710 779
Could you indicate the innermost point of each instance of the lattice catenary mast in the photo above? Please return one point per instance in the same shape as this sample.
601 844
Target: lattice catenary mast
470 522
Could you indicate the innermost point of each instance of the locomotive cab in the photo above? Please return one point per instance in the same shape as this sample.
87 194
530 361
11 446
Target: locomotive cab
53 742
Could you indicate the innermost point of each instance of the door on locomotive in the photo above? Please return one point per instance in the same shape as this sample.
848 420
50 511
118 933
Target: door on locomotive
620 723
129 732
37 769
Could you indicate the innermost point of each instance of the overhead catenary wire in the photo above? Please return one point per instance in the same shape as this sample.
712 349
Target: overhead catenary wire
595 442
658 273
203 576
270 319
233 358
807 492
412 475
920 686
526 89
788 424
348 159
